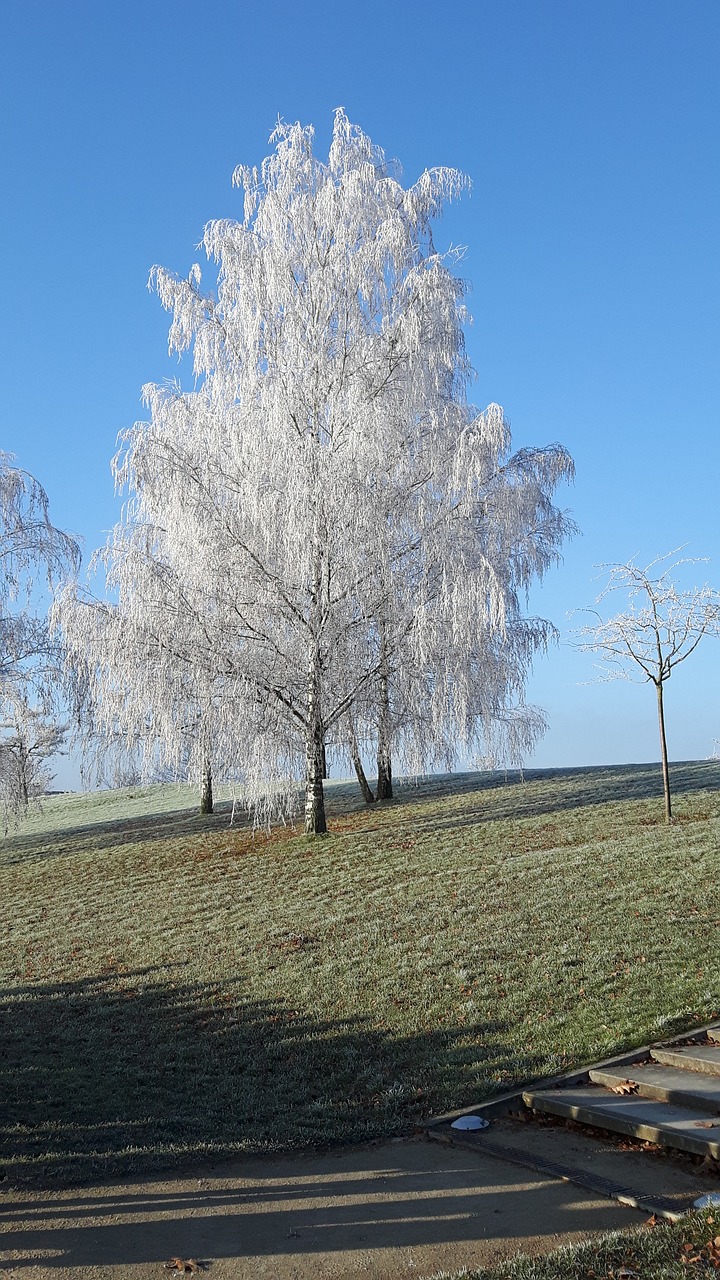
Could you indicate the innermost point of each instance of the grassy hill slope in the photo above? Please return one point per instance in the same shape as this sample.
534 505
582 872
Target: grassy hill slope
174 989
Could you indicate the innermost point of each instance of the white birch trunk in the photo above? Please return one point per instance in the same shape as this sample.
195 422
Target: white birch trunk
315 822
365 787
206 789
384 758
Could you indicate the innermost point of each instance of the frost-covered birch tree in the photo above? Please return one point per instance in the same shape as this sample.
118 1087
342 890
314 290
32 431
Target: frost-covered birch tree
319 510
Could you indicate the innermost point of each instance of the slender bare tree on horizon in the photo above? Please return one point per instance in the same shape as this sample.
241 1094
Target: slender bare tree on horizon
662 627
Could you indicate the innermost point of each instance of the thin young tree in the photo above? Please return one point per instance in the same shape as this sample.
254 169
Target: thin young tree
662 626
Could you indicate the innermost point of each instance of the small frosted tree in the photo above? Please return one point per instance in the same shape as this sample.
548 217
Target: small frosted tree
661 628
34 555
29 737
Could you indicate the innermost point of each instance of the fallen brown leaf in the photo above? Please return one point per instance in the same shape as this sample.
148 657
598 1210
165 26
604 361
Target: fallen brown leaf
625 1086
713 1252
689 1255
706 1124
182 1265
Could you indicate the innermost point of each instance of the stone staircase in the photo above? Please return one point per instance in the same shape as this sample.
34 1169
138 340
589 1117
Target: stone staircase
670 1096
664 1097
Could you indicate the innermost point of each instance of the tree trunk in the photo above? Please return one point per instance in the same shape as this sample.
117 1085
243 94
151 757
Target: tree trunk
365 787
323 760
315 824
384 761
23 776
384 778
206 792
663 751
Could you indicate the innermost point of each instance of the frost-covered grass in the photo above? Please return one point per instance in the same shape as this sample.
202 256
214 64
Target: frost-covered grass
174 989
662 1252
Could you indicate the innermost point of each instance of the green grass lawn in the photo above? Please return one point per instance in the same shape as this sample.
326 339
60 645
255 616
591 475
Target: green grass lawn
175 989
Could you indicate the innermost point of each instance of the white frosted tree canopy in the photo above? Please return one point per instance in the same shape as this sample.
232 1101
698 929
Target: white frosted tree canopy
323 539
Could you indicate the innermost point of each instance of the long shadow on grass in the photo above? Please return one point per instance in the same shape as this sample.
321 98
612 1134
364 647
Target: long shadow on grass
128 1073
115 832
502 796
489 797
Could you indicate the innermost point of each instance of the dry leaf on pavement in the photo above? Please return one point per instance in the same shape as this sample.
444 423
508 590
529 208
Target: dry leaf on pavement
625 1086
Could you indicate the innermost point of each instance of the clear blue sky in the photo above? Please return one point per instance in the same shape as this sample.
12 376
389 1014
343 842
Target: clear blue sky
589 129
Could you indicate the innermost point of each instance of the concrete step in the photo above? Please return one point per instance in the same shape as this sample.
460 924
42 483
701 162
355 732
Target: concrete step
657 1184
691 1057
696 1131
665 1084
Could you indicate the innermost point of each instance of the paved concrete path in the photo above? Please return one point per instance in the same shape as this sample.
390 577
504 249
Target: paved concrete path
404 1209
